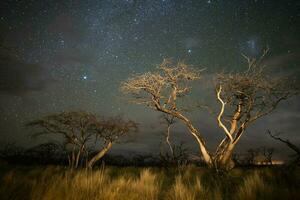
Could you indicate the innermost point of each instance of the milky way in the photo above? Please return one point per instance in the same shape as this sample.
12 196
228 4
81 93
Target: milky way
73 55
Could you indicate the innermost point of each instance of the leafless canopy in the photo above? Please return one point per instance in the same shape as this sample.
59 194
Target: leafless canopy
245 97
248 95
74 126
111 129
162 88
80 128
288 143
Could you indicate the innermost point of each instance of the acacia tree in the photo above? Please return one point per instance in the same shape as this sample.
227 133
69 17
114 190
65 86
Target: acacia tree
161 90
109 131
72 126
79 129
244 97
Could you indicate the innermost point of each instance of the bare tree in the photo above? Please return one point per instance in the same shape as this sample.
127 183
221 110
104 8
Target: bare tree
161 90
178 157
289 144
268 154
79 128
109 131
244 97
169 121
72 126
251 156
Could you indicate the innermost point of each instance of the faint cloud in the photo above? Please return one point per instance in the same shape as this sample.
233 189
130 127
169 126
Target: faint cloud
18 77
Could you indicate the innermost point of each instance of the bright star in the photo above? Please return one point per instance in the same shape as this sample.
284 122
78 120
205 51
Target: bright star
84 77
190 51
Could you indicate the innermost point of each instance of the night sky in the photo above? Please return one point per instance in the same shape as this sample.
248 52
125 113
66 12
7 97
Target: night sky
73 55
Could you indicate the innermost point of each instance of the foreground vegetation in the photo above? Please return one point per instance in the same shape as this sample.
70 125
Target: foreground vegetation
184 183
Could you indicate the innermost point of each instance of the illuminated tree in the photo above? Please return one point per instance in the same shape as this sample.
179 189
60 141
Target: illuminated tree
244 97
169 121
161 90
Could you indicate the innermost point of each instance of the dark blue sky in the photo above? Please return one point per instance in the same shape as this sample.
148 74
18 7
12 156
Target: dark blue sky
70 55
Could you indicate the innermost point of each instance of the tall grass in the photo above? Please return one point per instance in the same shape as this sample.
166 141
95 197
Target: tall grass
111 183
97 184
254 187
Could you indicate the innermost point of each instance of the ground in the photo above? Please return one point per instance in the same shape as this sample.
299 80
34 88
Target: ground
183 183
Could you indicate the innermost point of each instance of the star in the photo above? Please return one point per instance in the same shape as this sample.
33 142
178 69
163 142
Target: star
189 50
85 77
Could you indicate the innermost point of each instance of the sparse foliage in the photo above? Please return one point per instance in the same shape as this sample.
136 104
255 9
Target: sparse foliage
162 90
244 97
73 127
110 130
79 129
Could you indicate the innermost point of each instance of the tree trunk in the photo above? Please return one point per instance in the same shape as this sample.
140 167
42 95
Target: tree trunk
168 141
194 132
78 155
206 156
77 158
224 161
99 155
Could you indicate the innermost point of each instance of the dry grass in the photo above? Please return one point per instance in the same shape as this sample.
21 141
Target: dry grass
254 187
184 191
110 183
97 184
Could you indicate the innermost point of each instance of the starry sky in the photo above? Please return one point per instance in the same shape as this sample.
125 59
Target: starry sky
73 55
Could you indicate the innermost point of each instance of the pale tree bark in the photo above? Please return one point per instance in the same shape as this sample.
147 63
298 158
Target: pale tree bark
244 98
168 140
99 155
164 89
222 157
192 130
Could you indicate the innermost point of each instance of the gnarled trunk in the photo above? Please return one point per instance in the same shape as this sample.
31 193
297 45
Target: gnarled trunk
194 132
99 155
224 161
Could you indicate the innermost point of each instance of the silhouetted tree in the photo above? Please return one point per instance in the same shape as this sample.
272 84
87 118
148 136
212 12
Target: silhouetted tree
251 156
109 131
46 152
178 157
268 154
289 144
78 129
73 126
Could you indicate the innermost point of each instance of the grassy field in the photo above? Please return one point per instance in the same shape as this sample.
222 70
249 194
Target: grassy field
130 183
